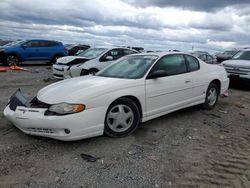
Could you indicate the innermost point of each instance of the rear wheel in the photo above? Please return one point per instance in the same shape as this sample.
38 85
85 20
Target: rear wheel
211 96
122 118
12 60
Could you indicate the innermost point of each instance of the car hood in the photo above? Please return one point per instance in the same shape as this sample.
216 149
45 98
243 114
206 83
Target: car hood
67 59
237 63
77 89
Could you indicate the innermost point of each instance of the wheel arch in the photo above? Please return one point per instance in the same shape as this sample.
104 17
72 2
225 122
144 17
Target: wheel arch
218 83
16 54
134 99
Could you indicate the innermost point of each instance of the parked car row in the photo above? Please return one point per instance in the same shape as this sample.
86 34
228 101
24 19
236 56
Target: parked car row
121 87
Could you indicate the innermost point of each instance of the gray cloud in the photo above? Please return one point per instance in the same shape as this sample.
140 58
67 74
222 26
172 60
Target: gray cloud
116 22
199 5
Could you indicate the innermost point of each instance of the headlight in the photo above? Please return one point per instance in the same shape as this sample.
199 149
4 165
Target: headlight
65 108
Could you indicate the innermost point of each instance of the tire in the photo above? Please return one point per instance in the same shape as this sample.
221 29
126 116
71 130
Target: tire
122 118
212 95
12 60
93 71
53 61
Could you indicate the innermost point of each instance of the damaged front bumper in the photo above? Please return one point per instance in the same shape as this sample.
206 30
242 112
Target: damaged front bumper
33 121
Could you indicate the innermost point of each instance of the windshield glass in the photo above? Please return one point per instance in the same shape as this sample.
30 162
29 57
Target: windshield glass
130 67
92 53
243 55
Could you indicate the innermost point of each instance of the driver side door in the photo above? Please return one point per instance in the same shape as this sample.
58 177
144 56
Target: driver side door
170 92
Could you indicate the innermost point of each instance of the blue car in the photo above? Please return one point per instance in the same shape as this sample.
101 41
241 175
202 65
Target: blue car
32 50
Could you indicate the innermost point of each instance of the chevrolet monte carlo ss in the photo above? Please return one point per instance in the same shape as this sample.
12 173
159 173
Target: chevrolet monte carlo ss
135 89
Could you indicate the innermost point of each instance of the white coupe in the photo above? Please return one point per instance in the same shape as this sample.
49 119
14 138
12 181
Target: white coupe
135 89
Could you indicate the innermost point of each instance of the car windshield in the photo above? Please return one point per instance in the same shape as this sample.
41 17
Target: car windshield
130 67
242 55
92 53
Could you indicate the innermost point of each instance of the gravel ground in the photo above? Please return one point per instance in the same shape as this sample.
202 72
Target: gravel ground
188 148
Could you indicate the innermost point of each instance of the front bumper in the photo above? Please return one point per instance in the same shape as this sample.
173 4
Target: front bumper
237 72
61 71
77 126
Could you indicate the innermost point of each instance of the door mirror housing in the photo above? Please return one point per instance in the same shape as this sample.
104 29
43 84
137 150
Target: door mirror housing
157 74
109 58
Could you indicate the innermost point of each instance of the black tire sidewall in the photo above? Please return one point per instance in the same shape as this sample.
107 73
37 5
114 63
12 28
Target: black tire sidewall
54 59
6 60
134 108
206 104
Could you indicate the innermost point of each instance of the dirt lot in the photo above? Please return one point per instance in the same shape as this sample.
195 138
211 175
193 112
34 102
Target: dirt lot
188 148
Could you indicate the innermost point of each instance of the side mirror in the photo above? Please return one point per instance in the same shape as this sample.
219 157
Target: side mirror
109 58
157 74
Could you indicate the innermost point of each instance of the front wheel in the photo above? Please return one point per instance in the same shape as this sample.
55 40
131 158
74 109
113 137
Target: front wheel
55 58
12 60
212 95
122 118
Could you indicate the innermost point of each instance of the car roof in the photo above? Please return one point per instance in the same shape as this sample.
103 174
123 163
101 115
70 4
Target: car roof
42 40
161 54
113 47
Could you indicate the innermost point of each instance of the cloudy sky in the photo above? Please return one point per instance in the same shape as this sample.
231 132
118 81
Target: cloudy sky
211 25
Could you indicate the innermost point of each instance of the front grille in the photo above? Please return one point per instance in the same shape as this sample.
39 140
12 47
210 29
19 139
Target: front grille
40 130
237 70
35 103
59 69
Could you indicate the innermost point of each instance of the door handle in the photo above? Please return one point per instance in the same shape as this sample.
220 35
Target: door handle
187 81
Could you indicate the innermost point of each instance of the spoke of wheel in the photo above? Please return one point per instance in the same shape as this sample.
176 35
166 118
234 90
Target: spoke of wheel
113 115
128 115
121 109
114 124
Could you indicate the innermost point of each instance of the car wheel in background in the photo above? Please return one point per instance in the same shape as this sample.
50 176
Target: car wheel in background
12 60
53 61
122 118
211 96
93 71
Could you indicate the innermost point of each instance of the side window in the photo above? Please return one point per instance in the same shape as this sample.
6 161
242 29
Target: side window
43 44
33 43
209 58
115 53
193 63
203 57
127 52
172 64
